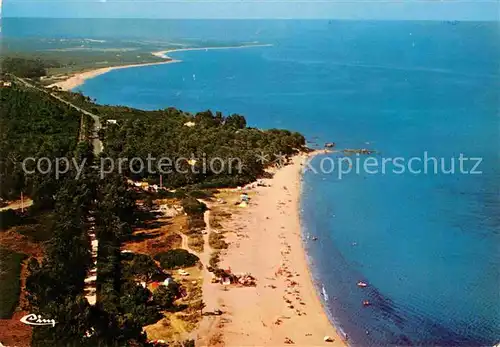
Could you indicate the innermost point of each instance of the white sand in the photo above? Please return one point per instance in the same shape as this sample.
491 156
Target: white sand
268 238
80 78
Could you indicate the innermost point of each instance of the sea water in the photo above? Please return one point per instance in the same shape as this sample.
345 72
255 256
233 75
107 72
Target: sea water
426 244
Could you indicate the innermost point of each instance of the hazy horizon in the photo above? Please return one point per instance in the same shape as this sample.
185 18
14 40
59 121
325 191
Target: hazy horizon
479 10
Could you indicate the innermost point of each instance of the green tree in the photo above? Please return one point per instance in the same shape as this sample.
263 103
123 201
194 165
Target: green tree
236 121
22 67
143 267
164 297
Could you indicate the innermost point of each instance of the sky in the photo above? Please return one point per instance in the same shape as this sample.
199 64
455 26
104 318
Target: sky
293 9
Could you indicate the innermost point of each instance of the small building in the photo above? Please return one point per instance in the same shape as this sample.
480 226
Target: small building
189 124
111 121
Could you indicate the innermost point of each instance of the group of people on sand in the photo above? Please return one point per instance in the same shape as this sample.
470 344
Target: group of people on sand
291 296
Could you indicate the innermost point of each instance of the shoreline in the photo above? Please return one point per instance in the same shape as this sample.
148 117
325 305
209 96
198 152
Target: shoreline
164 54
267 242
80 78
77 79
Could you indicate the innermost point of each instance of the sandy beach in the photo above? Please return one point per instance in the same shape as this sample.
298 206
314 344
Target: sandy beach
265 240
78 79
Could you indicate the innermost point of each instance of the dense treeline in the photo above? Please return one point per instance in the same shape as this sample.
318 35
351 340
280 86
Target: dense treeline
22 67
123 302
206 149
55 287
32 124
182 137
216 151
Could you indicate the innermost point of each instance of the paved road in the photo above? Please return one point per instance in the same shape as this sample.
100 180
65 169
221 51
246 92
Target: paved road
98 146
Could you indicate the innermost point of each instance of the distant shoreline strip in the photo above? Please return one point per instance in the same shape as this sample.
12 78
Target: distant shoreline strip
163 54
80 78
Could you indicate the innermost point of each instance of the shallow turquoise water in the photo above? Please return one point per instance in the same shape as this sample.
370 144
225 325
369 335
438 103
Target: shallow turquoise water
426 244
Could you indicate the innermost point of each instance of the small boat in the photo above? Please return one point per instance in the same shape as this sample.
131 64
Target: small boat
362 284
366 303
314 238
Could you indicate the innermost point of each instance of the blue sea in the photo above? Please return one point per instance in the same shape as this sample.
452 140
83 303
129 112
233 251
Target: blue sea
427 245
